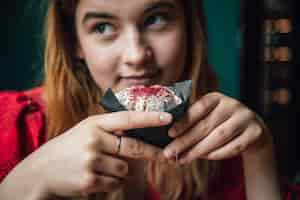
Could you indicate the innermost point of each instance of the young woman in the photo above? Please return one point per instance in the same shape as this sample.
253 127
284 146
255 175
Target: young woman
58 143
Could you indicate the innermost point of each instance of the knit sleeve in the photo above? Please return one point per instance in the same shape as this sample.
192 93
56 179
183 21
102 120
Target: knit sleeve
21 127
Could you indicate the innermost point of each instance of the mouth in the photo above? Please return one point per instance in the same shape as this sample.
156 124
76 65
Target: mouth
140 79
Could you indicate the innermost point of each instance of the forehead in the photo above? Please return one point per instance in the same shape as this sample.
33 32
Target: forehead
119 5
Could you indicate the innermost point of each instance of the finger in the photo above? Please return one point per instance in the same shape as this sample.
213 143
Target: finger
105 143
195 113
238 145
220 136
126 120
109 166
198 132
100 183
127 147
136 149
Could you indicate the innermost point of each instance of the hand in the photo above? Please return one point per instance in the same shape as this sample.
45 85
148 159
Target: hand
216 127
83 160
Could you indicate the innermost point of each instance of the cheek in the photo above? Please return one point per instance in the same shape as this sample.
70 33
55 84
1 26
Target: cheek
102 66
171 54
101 60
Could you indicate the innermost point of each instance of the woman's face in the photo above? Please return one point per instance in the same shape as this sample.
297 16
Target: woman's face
126 43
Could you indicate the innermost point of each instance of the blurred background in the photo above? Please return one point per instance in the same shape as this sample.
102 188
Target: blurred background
253 46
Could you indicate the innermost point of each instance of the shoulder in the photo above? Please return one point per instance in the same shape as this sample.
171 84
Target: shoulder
21 126
13 100
17 107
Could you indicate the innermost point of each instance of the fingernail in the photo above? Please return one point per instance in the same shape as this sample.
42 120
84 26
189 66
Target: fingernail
165 117
172 132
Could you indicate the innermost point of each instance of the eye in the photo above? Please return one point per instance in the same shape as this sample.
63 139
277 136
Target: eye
158 20
104 29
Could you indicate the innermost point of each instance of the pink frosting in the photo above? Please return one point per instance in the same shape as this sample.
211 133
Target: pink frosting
153 98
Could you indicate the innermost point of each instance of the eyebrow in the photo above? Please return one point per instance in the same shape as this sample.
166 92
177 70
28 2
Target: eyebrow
151 8
159 5
91 15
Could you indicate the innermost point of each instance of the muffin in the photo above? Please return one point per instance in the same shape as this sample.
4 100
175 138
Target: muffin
172 99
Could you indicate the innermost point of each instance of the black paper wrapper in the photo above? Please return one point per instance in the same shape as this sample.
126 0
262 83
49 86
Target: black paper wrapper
157 136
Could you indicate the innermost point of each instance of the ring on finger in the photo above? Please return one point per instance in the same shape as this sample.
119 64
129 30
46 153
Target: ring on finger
119 142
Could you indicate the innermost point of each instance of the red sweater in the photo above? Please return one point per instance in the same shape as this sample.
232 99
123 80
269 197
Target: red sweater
22 130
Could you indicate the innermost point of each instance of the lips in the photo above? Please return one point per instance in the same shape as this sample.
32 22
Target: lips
140 76
140 79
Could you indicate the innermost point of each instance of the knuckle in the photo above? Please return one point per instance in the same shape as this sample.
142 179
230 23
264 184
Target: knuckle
239 148
258 130
184 142
122 169
89 160
204 126
89 182
93 181
93 134
203 104
97 139
222 133
235 103
110 184
249 114
91 148
136 148
97 161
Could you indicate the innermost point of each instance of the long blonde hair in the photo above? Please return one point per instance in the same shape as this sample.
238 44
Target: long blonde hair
72 95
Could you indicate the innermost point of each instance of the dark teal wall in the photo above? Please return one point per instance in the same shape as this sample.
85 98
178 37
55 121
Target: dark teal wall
21 53
29 40
224 41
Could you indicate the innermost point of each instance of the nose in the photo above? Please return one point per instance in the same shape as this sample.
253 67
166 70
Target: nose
137 52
